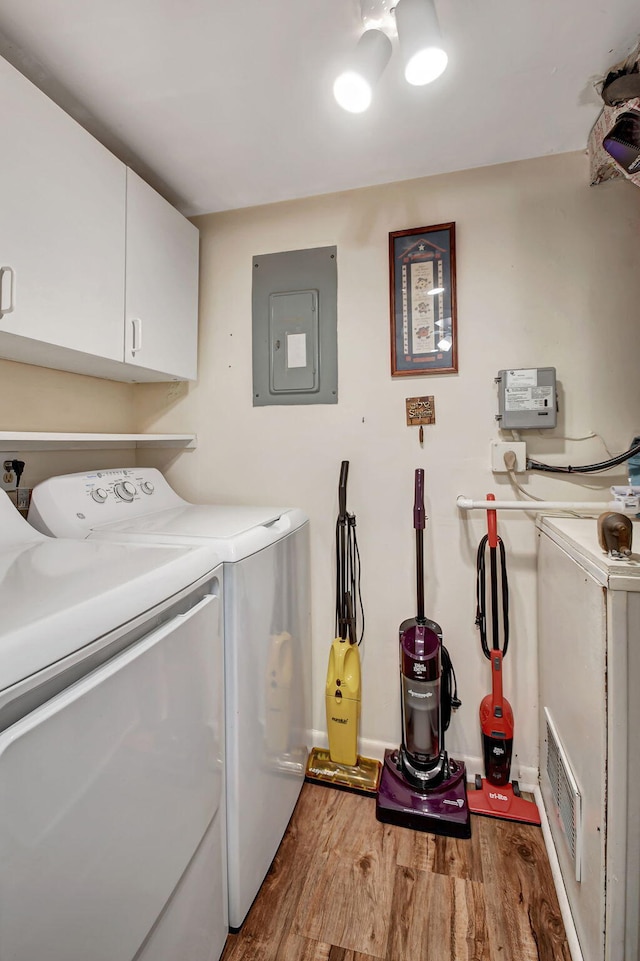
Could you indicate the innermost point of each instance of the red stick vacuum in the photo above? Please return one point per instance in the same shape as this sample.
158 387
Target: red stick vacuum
495 795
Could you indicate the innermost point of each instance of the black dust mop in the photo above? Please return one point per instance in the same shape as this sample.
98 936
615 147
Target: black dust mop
341 766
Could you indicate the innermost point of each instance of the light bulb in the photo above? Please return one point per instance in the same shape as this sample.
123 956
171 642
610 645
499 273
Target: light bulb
352 92
354 88
425 66
420 41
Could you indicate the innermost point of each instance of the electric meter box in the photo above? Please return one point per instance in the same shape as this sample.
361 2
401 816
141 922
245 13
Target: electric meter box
527 398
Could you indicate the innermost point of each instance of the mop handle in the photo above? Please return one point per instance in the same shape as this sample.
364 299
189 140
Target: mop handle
342 490
342 614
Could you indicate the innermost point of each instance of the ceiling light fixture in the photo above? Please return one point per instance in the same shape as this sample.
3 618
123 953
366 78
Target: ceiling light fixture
420 41
353 89
415 23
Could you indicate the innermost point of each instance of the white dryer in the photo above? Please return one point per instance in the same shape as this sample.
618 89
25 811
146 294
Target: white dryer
589 680
112 812
267 638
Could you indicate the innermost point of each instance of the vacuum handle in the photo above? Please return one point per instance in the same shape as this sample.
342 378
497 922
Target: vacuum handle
492 524
492 539
419 525
497 697
418 503
342 490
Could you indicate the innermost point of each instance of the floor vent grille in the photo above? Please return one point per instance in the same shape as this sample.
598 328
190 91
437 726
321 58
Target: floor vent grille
565 794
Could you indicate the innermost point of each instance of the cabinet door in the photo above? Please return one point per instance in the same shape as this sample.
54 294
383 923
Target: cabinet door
161 329
61 227
107 792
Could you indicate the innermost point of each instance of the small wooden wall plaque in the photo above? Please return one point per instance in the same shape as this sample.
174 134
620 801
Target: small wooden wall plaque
420 410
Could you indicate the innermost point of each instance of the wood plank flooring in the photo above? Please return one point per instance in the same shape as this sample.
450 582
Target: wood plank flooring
344 887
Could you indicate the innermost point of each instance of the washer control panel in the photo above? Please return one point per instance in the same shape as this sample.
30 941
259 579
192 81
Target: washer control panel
119 485
71 505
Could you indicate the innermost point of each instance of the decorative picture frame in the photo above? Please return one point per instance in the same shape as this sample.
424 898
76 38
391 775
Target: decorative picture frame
422 283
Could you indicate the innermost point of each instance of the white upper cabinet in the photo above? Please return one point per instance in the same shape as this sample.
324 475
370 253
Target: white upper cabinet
62 229
161 329
76 228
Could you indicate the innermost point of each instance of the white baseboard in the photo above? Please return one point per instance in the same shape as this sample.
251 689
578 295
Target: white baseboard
527 776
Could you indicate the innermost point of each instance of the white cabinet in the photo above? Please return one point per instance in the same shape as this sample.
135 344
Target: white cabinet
76 229
62 230
161 328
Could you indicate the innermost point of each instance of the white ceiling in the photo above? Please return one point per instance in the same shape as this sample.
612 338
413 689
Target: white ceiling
227 103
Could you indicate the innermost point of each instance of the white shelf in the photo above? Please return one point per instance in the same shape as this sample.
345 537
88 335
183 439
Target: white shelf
46 440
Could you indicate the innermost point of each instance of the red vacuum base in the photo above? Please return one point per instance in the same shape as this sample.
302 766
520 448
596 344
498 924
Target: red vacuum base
501 802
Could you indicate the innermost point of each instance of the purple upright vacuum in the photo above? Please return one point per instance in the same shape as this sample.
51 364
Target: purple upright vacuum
421 786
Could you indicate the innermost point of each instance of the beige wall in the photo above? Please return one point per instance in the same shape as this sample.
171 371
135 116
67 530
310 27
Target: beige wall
548 274
36 398
39 399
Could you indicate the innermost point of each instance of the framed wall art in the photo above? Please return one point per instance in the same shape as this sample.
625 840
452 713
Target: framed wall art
422 267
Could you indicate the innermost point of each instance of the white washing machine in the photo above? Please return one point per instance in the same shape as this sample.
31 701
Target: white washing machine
112 807
267 638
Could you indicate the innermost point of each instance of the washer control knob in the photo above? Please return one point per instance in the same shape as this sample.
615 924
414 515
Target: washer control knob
99 495
147 487
125 491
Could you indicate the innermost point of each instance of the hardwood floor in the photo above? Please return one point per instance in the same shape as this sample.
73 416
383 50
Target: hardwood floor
344 887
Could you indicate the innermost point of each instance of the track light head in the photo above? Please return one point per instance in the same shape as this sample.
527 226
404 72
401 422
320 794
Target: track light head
353 89
420 41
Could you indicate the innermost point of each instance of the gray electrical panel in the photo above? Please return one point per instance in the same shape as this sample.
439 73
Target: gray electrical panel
527 398
294 327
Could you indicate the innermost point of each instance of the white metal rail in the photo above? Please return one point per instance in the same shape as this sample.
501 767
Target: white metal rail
591 507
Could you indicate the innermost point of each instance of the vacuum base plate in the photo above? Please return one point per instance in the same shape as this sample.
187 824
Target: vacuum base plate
502 802
441 810
363 777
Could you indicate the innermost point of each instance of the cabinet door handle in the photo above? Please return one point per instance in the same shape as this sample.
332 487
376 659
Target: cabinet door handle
12 277
136 343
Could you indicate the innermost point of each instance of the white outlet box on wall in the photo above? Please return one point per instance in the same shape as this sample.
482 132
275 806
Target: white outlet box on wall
7 485
500 448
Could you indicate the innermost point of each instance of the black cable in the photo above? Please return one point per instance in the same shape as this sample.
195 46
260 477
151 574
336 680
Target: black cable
449 699
481 617
17 467
505 598
339 625
481 580
348 573
587 468
355 586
